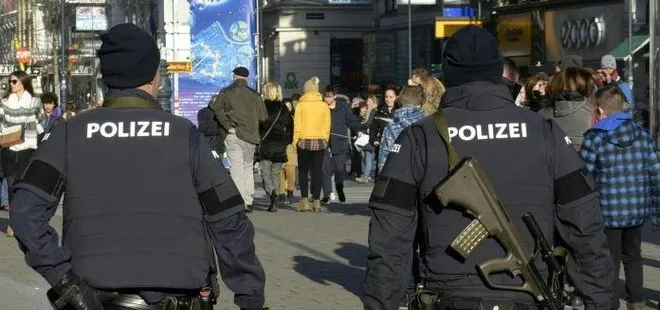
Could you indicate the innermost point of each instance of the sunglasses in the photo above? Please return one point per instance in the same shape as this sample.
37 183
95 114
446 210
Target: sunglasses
13 82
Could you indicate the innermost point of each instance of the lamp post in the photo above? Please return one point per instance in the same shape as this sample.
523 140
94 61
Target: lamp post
165 91
653 71
409 38
62 56
631 19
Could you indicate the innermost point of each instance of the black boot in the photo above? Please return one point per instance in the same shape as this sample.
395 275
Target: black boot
340 192
289 197
273 202
281 198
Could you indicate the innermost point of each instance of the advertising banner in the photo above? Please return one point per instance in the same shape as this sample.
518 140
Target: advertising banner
222 38
514 35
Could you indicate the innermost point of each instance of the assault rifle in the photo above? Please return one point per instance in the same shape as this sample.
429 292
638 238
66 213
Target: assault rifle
468 186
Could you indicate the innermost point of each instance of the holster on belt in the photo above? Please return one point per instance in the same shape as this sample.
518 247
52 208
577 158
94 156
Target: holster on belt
424 299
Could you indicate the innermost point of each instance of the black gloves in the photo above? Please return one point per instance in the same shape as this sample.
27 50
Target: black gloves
73 293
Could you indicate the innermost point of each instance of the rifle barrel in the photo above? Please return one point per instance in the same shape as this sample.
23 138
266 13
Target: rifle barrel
539 238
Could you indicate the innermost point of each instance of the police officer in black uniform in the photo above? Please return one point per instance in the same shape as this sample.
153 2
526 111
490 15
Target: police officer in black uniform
532 168
145 202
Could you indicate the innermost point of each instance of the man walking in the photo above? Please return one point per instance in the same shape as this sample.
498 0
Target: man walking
239 110
335 158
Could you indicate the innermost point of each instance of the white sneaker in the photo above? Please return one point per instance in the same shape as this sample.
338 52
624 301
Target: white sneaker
333 196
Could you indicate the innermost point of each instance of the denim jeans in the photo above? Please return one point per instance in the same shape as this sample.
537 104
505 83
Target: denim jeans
367 163
4 193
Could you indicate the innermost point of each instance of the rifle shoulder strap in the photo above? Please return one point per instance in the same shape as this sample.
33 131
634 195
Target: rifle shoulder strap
443 129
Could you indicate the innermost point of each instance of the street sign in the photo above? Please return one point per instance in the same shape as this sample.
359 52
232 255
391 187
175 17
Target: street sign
33 71
416 2
86 1
82 70
179 66
445 27
7 69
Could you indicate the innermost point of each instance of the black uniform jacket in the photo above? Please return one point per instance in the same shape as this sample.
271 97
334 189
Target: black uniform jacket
531 167
123 205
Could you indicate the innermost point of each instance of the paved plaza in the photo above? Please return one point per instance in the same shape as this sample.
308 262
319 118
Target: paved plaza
312 261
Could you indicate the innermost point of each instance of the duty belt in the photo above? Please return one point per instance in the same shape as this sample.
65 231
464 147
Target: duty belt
430 300
135 302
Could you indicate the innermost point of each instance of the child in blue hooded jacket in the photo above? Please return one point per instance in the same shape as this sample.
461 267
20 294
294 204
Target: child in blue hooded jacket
622 156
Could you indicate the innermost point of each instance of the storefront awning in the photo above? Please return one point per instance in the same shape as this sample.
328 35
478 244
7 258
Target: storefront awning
639 40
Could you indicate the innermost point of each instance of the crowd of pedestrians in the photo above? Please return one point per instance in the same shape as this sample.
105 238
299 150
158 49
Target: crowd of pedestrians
306 141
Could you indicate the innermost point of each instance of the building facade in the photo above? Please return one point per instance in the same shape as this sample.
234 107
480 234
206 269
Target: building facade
301 40
590 29
350 44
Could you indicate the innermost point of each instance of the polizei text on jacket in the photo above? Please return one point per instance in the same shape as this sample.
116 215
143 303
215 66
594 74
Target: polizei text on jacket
128 129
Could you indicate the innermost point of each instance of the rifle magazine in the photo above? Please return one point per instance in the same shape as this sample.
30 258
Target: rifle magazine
470 238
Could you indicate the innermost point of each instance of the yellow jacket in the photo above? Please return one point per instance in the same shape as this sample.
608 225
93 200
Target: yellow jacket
312 118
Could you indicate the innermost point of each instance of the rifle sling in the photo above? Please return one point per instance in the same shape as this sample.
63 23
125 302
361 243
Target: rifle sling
443 129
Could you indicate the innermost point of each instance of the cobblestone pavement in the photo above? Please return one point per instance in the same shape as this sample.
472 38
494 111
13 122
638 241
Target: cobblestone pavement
312 261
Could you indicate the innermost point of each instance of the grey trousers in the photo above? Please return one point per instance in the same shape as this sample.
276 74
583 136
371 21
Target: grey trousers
270 172
241 155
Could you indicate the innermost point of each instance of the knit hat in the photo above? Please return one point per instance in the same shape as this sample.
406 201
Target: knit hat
312 85
129 57
608 62
471 55
569 61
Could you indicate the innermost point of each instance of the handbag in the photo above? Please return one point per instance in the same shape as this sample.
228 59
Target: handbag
12 136
271 128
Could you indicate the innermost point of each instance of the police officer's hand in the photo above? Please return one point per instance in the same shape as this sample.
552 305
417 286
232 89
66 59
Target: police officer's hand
72 292
232 130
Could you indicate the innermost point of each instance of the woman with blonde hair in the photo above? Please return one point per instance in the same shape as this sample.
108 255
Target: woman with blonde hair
433 91
311 137
276 134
